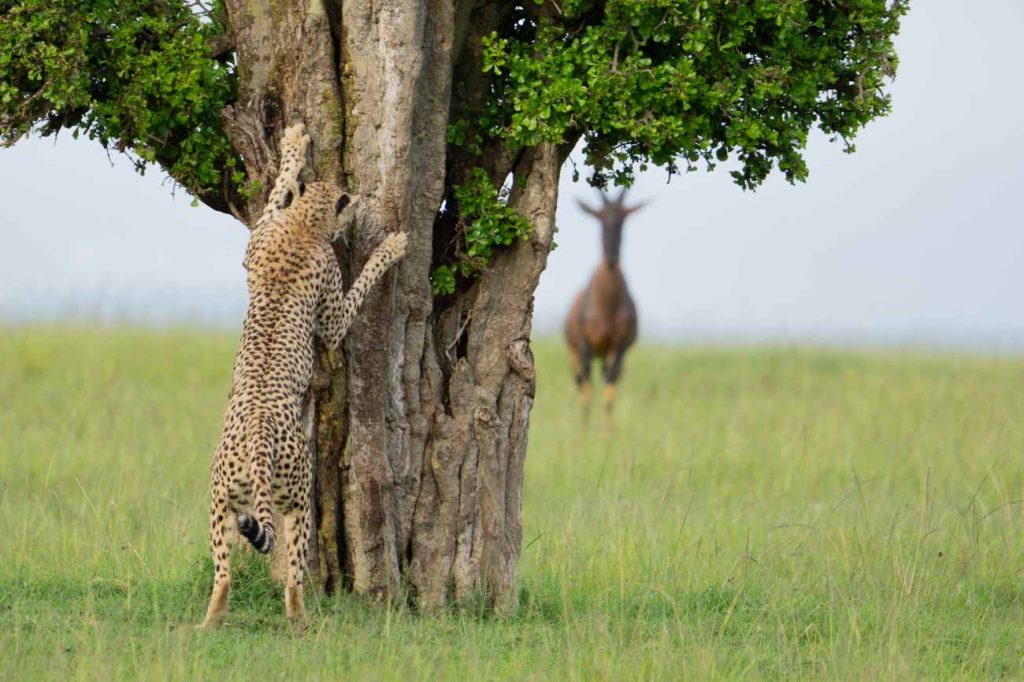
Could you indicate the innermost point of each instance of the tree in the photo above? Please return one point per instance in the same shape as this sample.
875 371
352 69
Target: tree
451 119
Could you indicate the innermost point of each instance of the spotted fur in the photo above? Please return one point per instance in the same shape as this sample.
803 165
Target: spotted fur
262 463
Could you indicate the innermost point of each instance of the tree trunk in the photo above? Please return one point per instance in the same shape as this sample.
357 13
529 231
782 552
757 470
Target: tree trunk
419 427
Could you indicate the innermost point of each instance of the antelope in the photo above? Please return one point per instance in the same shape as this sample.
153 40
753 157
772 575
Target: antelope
602 320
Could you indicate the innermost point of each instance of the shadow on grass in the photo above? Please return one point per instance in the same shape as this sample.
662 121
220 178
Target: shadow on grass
257 601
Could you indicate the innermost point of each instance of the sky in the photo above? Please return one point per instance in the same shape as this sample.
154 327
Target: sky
916 239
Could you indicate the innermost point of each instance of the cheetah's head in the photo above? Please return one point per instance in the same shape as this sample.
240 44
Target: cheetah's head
328 209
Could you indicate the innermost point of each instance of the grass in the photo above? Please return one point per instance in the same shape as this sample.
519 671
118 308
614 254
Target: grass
756 513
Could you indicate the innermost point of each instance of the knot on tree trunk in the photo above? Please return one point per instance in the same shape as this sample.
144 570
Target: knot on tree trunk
520 359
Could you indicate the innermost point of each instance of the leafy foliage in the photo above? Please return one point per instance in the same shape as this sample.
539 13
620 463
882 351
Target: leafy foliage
485 222
673 83
669 82
442 280
138 75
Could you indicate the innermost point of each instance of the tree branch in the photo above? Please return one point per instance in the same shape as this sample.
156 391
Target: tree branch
222 46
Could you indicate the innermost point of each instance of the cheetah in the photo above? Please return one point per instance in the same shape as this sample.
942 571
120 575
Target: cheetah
262 462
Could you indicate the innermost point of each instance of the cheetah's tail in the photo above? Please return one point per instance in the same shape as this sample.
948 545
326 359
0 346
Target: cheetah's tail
258 527
256 534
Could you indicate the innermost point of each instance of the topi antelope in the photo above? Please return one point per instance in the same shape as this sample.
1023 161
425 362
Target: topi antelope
602 320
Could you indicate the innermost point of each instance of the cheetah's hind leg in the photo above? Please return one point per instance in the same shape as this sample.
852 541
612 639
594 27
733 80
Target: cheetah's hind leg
296 523
222 533
295 466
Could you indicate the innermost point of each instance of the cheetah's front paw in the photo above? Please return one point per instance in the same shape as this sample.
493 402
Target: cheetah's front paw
396 244
295 135
294 143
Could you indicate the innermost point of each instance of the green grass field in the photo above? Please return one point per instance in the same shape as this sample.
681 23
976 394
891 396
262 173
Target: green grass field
756 513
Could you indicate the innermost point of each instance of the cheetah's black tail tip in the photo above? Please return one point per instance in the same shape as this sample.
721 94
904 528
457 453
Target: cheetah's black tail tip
262 539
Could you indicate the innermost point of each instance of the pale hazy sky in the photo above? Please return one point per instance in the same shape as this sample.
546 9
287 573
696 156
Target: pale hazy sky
917 238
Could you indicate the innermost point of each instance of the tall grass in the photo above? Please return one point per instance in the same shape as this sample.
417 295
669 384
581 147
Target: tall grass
754 513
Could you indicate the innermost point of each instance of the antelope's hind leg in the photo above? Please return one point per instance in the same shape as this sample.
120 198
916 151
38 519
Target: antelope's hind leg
581 359
612 370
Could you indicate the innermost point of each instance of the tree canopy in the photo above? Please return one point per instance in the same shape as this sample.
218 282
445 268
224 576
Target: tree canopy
141 76
668 83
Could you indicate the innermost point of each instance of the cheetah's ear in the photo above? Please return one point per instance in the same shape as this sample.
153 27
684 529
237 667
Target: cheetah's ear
343 202
345 216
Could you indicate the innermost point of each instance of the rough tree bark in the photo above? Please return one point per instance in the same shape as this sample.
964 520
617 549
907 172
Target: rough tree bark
420 426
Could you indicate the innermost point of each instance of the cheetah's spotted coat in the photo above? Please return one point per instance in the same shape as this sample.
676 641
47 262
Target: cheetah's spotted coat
262 461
